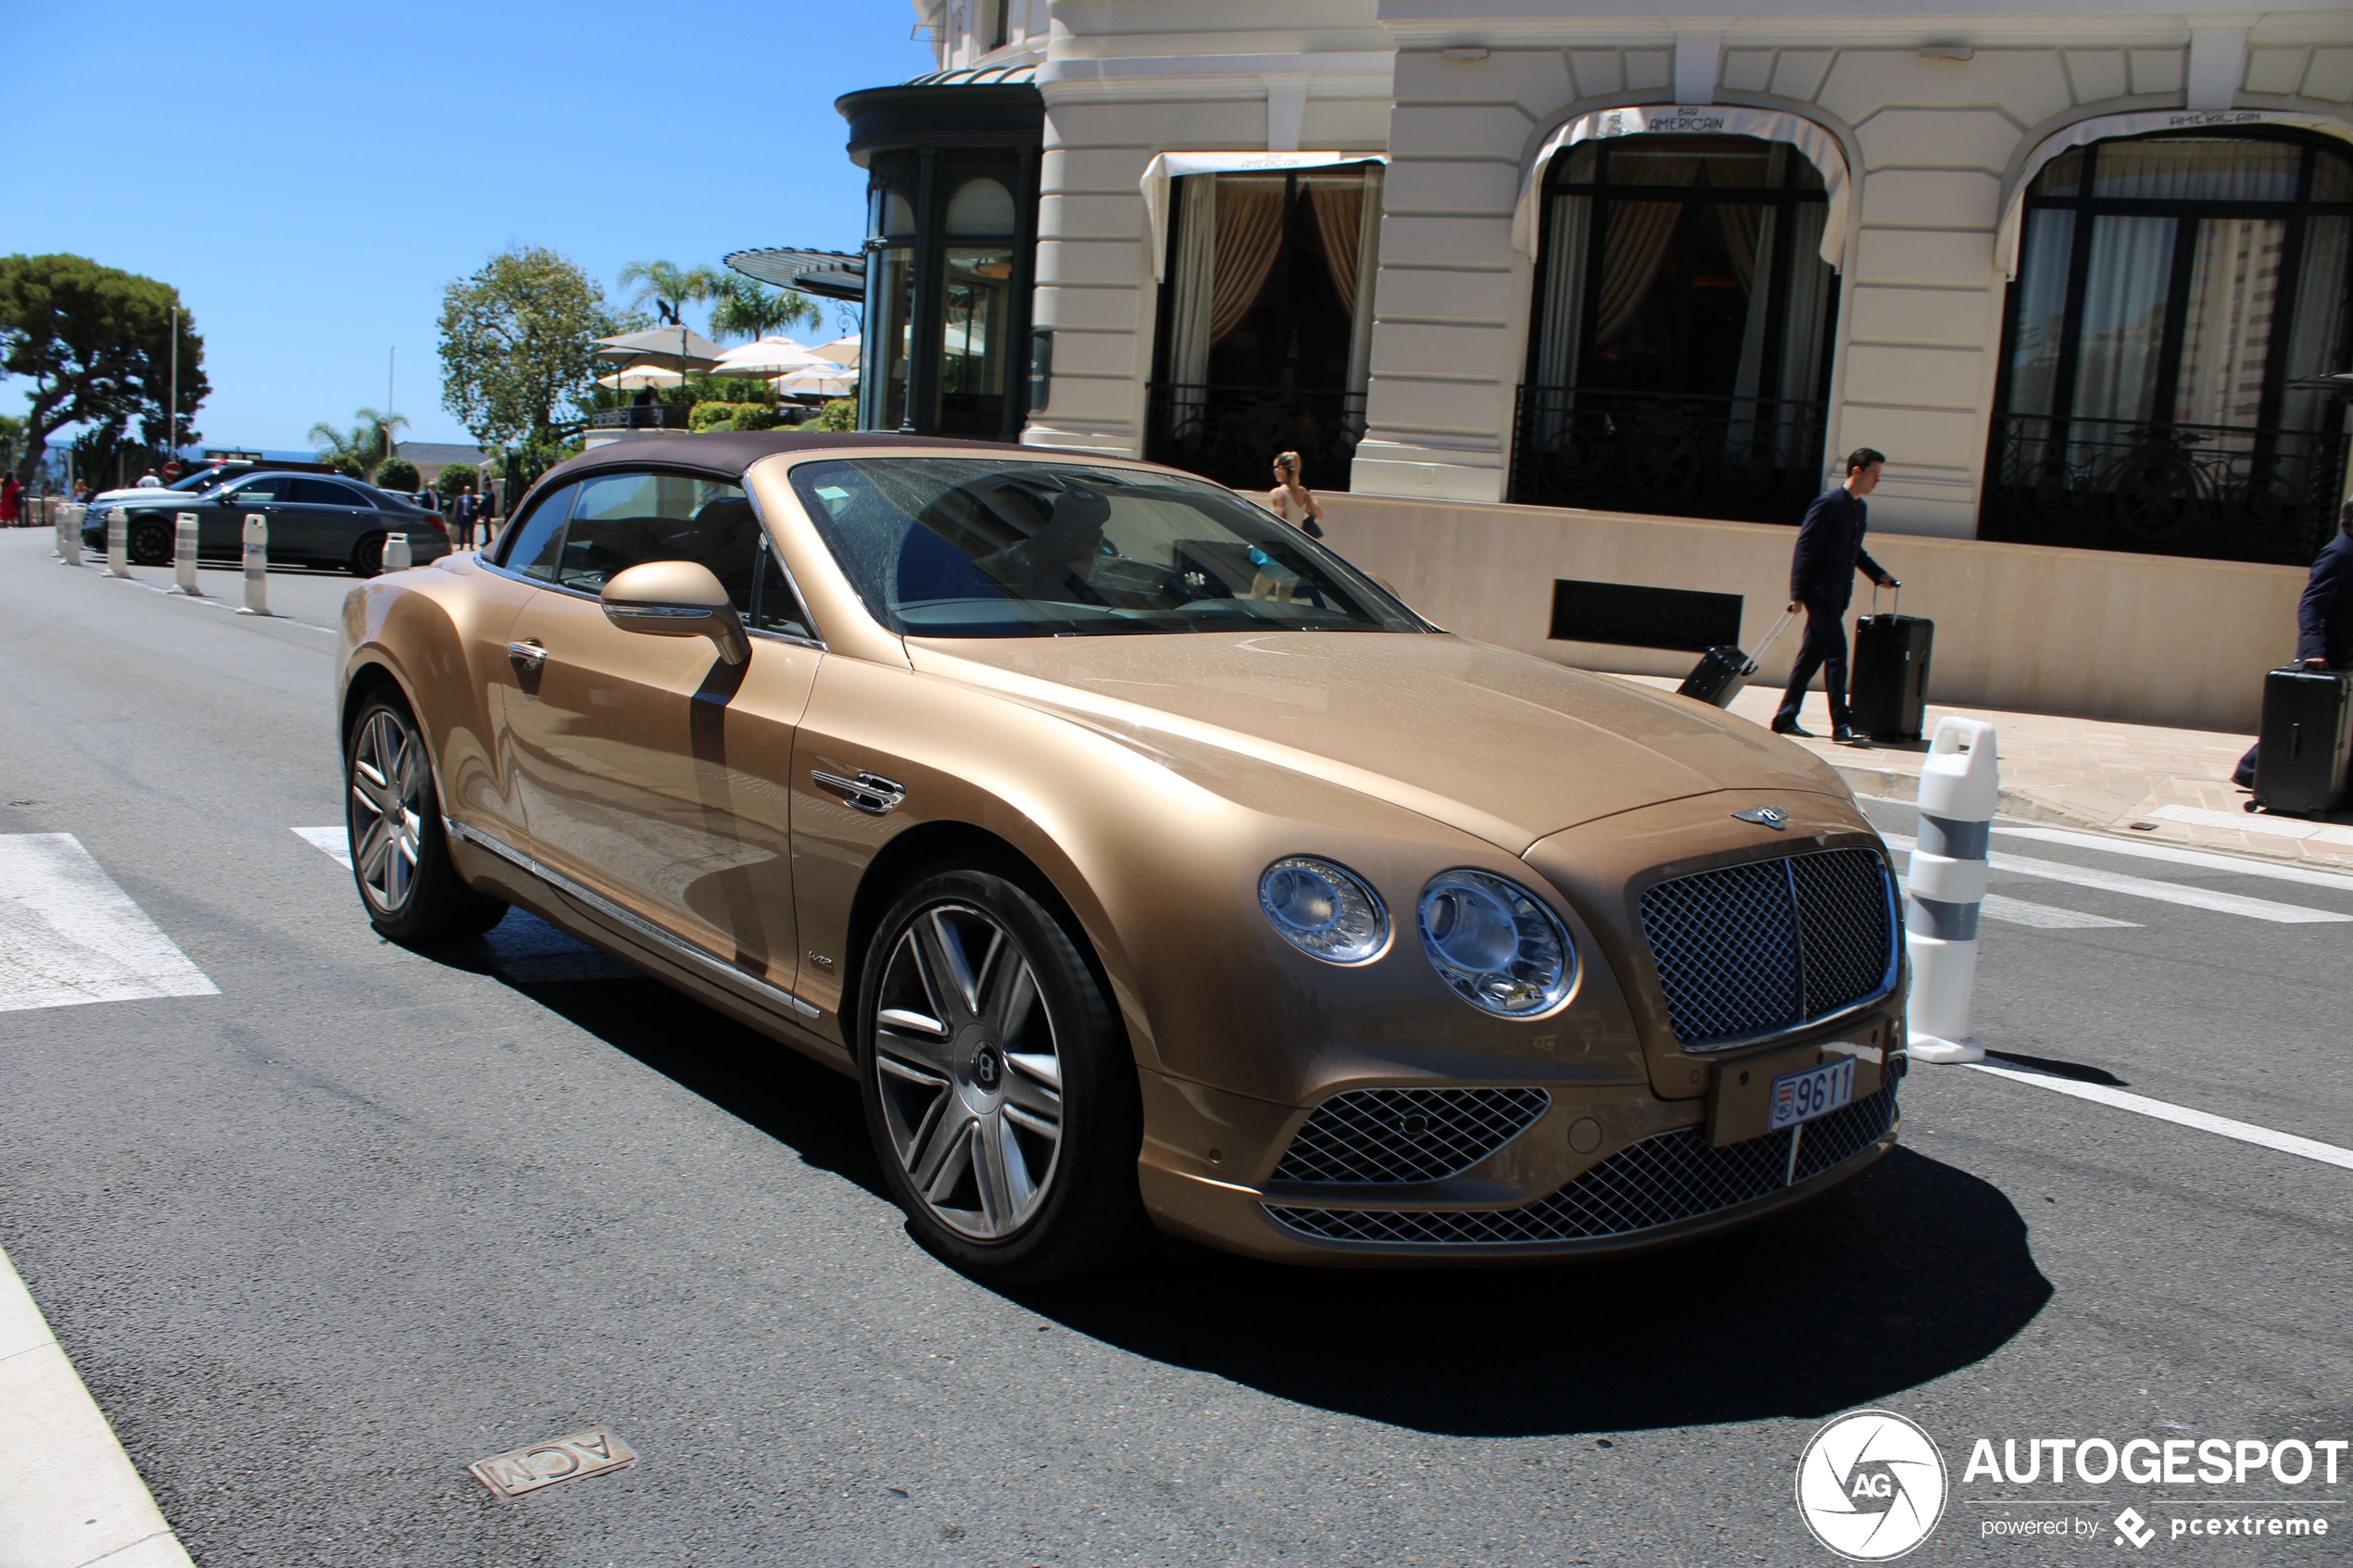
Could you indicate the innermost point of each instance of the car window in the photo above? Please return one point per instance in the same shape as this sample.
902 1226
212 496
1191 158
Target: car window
261 487
625 520
774 606
532 547
326 493
983 547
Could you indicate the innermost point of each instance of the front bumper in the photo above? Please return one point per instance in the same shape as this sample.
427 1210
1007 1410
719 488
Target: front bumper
1612 1169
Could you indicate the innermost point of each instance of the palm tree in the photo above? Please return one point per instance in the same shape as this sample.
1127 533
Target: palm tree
668 288
366 445
741 307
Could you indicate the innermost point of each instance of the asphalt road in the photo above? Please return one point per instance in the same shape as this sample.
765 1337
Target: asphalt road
366 1215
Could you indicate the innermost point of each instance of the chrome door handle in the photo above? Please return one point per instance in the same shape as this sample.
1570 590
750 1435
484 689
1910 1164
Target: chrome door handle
871 793
530 654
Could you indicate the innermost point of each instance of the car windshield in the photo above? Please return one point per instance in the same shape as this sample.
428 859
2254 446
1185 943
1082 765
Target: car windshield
986 547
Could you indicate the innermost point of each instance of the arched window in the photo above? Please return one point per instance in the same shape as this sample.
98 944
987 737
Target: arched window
2171 293
1678 360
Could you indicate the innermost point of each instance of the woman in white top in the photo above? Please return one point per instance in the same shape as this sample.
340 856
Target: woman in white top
1292 501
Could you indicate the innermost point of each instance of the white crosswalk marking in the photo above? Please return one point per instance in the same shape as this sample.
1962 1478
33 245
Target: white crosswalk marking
2204 859
2143 887
70 935
335 842
2043 917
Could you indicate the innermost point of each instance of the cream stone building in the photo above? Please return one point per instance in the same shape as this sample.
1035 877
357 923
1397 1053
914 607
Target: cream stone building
1571 300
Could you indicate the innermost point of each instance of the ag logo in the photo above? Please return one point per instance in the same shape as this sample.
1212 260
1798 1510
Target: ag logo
1764 816
1870 1486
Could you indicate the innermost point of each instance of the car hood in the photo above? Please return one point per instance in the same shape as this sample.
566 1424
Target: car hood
1505 746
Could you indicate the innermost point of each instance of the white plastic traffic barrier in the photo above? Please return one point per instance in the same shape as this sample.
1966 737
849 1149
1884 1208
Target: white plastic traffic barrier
70 516
396 557
257 565
183 555
118 544
1960 784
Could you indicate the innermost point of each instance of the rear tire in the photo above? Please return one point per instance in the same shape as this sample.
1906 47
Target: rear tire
366 557
1001 1091
151 544
400 850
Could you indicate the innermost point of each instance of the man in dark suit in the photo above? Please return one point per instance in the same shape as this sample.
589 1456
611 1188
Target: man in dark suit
1821 580
2323 618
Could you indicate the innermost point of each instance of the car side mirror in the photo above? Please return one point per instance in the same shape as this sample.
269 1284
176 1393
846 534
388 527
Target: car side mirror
676 599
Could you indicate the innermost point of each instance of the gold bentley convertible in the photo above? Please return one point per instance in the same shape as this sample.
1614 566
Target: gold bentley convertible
1145 863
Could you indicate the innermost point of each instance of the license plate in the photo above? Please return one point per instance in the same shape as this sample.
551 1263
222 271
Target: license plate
1816 1091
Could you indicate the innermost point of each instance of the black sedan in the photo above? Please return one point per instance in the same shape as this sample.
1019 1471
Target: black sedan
314 519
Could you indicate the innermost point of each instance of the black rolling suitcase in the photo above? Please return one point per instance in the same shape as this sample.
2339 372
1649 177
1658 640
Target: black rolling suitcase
1887 695
1724 670
2301 756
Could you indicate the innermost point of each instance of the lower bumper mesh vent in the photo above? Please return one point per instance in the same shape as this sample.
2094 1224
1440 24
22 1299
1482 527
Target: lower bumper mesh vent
1407 1134
1659 1181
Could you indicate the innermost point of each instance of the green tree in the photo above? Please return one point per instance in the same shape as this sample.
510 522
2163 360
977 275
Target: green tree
841 413
97 344
518 347
743 307
398 473
368 445
456 479
668 288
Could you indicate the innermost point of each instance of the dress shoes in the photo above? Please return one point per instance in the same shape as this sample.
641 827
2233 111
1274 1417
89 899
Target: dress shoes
1792 727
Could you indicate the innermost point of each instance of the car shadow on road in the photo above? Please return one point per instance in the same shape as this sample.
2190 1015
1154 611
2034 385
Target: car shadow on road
1906 1273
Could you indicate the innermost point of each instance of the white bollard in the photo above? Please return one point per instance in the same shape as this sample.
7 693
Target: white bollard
183 555
1958 791
118 543
257 565
57 510
396 557
71 514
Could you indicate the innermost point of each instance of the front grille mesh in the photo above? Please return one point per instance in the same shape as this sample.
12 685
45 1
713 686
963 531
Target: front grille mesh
1756 948
1657 1182
1407 1134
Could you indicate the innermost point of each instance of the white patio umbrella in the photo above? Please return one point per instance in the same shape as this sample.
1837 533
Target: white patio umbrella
649 372
831 380
768 357
841 351
683 347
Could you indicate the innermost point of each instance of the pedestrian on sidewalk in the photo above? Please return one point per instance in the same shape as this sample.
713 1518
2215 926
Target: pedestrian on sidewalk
1821 582
2323 620
11 501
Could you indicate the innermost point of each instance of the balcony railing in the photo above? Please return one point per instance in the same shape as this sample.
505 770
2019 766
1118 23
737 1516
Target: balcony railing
1231 433
2218 492
643 416
1748 458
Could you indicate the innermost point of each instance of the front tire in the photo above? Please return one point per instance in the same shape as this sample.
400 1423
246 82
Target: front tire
999 1089
151 544
366 557
400 853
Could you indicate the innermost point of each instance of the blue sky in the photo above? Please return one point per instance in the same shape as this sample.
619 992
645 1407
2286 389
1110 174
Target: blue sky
310 176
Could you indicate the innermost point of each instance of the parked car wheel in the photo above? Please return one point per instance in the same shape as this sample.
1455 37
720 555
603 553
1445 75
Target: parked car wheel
999 1089
400 852
367 556
151 542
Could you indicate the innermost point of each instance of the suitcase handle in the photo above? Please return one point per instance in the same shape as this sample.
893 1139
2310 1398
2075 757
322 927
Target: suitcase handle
1770 637
1899 599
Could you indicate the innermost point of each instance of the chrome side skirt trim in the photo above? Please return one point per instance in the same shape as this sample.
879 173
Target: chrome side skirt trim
637 923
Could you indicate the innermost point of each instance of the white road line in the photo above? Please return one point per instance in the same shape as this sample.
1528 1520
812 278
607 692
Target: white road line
69 935
2310 876
2043 917
335 842
2205 1122
2143 887
70 1497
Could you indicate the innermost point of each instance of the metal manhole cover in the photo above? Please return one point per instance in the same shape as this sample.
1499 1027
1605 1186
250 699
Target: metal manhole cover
588 1452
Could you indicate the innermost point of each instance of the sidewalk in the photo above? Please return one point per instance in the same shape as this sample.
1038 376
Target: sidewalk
2136 781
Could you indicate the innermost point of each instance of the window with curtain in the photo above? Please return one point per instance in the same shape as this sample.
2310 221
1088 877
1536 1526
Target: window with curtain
1680 353
2172 292
1266 320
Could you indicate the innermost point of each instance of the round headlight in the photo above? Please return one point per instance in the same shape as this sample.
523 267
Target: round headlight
1324 910
1498 945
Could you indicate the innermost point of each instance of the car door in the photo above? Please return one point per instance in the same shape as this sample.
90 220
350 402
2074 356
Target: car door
330 519
650 773
220 523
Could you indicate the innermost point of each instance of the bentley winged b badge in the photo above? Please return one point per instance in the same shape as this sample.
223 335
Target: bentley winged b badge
1767 816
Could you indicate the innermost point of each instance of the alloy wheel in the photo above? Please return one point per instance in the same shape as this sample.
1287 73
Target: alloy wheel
388 780
969 1075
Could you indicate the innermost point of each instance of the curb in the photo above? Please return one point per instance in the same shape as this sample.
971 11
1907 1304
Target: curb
70 1497
1885 783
